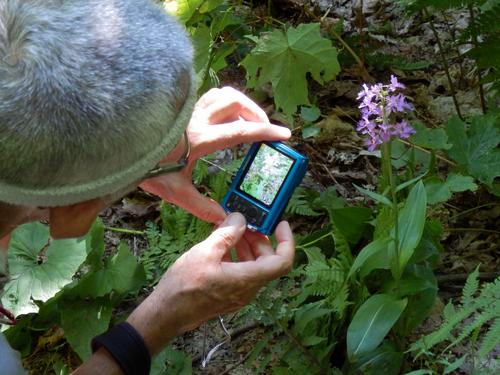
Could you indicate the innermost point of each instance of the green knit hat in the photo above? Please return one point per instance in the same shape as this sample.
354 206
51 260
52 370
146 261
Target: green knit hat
93 94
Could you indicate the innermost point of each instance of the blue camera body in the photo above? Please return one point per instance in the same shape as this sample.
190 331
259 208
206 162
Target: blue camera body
264 184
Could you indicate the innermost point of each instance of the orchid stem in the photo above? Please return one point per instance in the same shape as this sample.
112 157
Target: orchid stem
386 160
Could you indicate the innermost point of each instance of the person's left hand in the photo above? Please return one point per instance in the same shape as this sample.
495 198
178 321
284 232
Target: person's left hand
222 118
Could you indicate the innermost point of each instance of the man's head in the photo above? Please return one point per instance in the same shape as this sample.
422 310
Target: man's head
92 95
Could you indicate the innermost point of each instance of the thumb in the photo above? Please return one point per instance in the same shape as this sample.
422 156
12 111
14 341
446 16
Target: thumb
225 237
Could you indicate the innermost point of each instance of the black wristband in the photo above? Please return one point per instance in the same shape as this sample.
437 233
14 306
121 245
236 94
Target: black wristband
127 347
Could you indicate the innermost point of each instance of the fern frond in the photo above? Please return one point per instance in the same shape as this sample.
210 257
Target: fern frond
470 287
301 203
478 322
342 248
491 339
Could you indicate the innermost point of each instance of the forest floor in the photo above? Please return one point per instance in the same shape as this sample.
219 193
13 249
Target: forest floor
338 158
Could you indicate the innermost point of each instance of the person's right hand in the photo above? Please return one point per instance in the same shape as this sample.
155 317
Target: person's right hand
202 283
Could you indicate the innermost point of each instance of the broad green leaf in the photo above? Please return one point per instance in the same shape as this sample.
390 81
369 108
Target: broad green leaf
475 148
439 191
420 372
121 274
371 323
307 313
82 320
420 285
368 252
385 359
284 58
373 195
435 139
411 224
39 268
351 221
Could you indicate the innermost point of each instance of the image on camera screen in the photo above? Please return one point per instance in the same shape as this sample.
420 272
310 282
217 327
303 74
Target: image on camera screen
266 174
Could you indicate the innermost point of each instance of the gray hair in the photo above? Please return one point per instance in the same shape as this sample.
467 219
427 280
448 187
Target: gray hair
92 94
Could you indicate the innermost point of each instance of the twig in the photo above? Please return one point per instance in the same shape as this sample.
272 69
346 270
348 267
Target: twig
126 231
476 43
472 230
442 158
473 209
240 362
463 276
445 63
234 335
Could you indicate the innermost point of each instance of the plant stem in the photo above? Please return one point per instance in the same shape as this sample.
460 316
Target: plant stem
476 43
386 160
314 241
364 73
427 152
445 63
126 231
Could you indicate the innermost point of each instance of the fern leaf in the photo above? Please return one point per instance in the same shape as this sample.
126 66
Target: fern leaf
491 339
300 203
478 322
470 287
342 248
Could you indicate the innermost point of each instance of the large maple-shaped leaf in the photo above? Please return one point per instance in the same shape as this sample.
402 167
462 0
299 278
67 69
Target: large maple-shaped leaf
475 148
39 268
284 58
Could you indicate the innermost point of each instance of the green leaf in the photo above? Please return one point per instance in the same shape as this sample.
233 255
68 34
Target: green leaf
420 285
38 272
476 149
179 363
375 196
95 246
121 274
82 320
371 323
439 191
455 365
351 221
309 114
310 131
411 224
385 359
368 252
409 182
284 58
435 139
187 8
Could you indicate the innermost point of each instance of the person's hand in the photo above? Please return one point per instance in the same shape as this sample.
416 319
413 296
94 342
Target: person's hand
222 118
201 284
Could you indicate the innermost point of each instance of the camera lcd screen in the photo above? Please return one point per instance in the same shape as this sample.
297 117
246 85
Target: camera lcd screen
266 174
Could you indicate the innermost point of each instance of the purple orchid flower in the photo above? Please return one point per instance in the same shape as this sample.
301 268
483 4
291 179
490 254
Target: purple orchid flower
377 103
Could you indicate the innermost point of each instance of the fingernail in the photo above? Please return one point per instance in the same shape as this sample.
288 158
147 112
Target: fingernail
235 219
286 132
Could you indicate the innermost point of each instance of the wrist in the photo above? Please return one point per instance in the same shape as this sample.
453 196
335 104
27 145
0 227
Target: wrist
157 320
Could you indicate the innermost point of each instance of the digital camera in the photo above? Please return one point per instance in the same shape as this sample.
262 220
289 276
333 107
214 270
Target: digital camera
264 184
